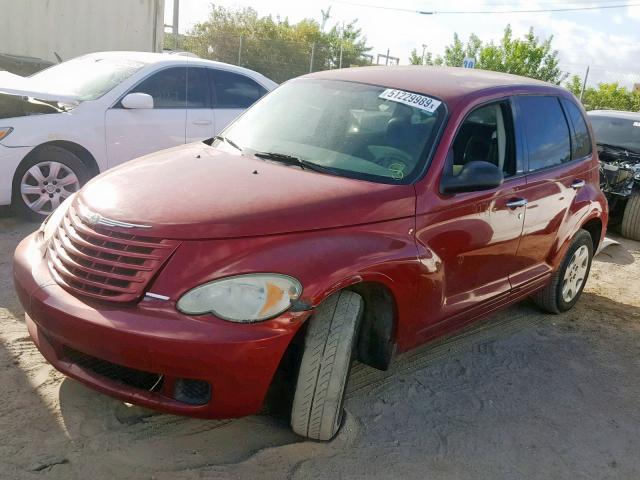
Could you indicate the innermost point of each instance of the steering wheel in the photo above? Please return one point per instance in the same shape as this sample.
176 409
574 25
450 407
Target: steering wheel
387 156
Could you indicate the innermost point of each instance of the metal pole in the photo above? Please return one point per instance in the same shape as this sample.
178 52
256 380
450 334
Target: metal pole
313 51
386 62
240 51
340 62
584 84
176 15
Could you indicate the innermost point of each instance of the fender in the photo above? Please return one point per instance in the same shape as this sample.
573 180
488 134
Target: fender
324 261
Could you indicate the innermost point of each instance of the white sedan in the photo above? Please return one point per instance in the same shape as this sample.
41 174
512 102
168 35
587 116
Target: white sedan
61 126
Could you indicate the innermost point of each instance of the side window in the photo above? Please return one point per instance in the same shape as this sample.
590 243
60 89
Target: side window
581 141
546 131
168 87
486 135
235 91
197 88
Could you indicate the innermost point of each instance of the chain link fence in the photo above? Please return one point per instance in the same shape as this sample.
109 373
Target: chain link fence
277 59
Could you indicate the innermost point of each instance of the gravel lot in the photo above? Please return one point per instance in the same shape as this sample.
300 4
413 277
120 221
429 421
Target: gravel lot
521 395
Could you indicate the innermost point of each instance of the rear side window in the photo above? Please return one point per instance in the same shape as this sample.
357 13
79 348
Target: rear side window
581 141
546 131
235 91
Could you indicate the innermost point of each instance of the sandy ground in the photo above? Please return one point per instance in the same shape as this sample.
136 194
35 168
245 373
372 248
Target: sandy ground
520 395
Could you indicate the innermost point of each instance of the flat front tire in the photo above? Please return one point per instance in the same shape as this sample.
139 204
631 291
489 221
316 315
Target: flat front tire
329 346
567 283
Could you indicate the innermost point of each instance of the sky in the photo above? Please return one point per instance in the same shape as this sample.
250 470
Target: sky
607 40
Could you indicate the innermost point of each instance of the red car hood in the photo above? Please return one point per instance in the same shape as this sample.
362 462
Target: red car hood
196 191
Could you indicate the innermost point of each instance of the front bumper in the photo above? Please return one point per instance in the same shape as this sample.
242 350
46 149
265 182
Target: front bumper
237 361
10 158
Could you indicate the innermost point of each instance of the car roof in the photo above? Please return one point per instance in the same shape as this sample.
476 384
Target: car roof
447 83
174 58
615 114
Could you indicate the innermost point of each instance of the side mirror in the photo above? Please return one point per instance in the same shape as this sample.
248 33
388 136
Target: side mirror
474 176
137 100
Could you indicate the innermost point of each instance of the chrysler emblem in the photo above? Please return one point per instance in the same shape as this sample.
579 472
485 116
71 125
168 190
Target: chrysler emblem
94 219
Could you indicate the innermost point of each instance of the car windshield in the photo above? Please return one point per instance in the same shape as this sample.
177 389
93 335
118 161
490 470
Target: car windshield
620 132
350 129
87 77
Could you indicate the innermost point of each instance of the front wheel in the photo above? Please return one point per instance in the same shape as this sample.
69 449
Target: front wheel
630 227
567 283
328 351
45 179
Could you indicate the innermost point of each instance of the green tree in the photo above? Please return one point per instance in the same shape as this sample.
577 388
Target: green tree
416 58
529 56
574 85
274 46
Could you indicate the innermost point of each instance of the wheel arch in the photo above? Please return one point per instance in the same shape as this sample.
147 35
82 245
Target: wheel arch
595 228
78 150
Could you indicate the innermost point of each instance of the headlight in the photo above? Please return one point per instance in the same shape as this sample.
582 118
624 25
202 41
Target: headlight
50 225
244 298
5 131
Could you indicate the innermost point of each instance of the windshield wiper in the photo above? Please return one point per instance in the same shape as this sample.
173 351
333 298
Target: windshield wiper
230 142
291 160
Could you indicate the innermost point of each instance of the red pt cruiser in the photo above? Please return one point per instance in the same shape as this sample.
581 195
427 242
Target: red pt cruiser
350 214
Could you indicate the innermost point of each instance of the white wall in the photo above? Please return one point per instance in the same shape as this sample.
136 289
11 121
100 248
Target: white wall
38 28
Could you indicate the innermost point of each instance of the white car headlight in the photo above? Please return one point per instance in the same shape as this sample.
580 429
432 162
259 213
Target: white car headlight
51 223
243 298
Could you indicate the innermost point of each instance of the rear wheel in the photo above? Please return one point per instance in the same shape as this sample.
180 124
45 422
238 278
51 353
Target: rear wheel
630 227
330 342
567 283
45 179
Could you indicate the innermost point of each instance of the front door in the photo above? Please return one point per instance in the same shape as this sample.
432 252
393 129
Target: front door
131 133
468 242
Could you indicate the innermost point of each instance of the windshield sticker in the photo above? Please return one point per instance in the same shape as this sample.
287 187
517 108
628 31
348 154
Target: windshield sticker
422 102
397 171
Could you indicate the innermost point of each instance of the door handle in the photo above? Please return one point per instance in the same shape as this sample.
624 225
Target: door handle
202 122
517 202
577 184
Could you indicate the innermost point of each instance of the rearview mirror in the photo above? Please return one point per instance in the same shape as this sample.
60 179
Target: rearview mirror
474 176
137 100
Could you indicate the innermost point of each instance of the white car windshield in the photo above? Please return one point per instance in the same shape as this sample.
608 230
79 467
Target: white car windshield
87 77
347 128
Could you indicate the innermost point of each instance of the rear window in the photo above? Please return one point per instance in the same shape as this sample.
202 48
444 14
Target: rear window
546 131
581 141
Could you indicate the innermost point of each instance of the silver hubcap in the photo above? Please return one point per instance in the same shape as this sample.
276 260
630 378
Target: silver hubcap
575 274
45 186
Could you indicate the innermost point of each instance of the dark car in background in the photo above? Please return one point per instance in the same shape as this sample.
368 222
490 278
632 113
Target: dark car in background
618 139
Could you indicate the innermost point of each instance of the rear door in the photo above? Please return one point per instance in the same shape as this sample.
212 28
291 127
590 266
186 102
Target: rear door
233 93
556 169
131 133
